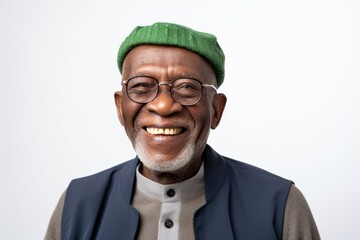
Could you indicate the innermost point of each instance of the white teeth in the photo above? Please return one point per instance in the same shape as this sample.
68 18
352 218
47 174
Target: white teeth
163 131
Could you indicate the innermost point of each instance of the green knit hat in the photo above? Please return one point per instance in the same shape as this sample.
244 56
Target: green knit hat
170 34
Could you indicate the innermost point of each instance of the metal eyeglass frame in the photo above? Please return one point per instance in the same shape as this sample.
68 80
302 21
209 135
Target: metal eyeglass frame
170 84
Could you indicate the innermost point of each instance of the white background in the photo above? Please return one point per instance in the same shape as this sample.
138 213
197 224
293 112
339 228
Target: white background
292 81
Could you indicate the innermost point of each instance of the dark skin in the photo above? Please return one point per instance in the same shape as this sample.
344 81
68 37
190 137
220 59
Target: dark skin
166 63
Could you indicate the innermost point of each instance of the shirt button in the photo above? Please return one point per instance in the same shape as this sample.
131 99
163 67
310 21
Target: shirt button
170 192
168 223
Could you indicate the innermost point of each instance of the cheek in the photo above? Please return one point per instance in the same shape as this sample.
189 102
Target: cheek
130 111
202 118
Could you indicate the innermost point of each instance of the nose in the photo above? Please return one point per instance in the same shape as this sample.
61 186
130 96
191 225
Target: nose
164 104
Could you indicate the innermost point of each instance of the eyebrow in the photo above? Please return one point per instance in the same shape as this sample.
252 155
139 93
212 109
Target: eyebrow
188 75
140 74
177 76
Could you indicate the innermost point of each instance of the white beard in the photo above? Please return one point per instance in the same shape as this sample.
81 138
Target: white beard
164 165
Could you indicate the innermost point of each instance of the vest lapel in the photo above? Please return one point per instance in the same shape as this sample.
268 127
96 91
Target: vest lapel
212 221
119 220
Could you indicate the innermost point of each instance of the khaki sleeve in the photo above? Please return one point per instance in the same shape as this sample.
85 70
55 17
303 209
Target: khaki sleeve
54 228
299 223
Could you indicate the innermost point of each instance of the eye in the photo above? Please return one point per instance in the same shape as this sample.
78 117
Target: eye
141 84
186 85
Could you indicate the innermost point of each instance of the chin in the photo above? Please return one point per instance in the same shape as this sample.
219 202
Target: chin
160 163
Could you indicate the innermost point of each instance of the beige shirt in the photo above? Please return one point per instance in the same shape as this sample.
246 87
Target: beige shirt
173 205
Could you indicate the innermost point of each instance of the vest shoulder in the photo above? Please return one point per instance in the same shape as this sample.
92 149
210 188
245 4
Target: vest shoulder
99 182
125 166
241 169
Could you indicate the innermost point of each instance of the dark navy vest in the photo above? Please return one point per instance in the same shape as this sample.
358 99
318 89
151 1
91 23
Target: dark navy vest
242 202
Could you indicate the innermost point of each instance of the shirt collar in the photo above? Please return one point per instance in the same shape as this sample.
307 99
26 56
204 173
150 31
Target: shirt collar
189 188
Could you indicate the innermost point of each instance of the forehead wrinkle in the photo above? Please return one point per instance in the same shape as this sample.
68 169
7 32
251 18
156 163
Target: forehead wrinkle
167 73
162 73
172 73
164 67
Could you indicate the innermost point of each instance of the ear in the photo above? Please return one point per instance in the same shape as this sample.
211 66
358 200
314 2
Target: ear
118 99
219 103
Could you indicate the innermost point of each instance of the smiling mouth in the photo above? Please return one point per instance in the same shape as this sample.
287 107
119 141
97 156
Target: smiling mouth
164 131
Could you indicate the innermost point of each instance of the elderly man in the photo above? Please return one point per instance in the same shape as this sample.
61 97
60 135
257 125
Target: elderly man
177 187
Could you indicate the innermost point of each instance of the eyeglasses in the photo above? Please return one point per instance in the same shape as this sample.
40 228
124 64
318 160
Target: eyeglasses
185 91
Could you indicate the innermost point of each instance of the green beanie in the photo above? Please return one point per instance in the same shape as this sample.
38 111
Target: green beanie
204 44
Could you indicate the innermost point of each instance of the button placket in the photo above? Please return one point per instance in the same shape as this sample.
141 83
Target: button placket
168 227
